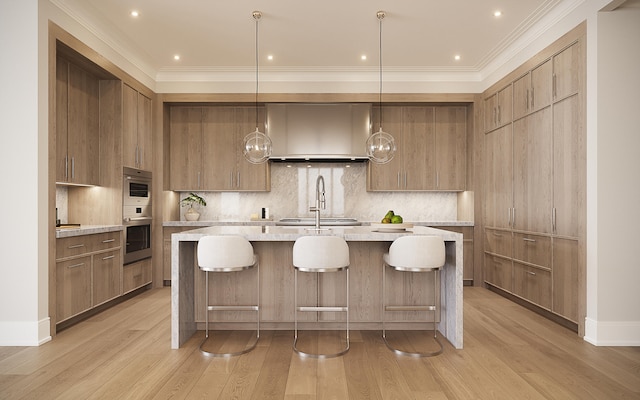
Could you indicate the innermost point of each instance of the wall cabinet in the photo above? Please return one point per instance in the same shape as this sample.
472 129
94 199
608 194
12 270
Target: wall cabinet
532 91
77 125
498 108
498 199
136 129
431 151
567 71
206 149
88 272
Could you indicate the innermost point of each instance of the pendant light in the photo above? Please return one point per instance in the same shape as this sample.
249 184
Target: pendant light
381 146
256 146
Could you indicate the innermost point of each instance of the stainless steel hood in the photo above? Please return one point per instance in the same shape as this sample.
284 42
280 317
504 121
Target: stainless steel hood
318 131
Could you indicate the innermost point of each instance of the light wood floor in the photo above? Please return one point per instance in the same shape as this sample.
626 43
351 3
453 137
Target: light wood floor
509 353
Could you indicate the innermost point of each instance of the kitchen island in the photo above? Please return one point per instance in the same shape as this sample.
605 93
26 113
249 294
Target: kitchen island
273 245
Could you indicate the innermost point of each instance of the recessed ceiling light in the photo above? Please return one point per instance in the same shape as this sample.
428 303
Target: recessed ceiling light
135 13
497 13
176 57
270 57
456 57
363 57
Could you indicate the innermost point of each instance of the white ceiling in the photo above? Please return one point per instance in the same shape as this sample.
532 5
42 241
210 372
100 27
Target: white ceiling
328 35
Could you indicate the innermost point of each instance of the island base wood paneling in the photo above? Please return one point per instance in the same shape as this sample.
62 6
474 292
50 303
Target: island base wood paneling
277 291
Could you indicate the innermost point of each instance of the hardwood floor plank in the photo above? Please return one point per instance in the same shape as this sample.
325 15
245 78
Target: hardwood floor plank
510 353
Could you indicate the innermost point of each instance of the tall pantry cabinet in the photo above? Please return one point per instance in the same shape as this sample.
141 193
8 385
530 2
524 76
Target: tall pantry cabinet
534 194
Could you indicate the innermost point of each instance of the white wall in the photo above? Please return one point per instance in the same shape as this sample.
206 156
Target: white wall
613 316
24 284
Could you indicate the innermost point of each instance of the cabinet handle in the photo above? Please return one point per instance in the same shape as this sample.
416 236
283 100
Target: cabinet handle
533 98
554 87
75 246
66 168
531 273
495 118
553 220
529 240
141 157
75 266
198 179
499 115
238 175
231 179
513 211
108 240
398 179
107 258
73 168
527 102
405 179
438 179
497 234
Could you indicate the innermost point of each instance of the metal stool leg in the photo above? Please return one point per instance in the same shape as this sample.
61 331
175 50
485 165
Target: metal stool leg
433 308
209 308
318 308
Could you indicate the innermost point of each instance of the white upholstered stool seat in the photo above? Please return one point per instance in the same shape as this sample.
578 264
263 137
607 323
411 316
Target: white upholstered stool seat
320 254
414 253
227 253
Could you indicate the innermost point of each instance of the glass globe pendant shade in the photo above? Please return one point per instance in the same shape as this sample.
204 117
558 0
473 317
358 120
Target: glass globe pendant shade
256 147
381 147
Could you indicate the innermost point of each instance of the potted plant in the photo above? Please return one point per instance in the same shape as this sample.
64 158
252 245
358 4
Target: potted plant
192 214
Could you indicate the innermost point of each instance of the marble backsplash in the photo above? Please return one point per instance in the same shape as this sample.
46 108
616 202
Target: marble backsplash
293 191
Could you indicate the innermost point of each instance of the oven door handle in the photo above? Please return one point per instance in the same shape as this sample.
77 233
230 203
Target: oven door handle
131 219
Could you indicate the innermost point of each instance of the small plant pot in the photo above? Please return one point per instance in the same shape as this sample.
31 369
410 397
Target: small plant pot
191 215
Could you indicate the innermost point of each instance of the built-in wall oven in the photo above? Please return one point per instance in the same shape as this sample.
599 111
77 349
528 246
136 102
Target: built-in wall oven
136 214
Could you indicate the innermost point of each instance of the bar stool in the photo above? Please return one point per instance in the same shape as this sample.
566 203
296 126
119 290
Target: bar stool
415 253
226 253
320 254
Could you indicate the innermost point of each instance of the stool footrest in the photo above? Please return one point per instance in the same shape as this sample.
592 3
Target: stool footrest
329 309
410 308
232 308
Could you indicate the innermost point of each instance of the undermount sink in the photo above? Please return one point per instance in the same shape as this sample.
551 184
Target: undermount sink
303 221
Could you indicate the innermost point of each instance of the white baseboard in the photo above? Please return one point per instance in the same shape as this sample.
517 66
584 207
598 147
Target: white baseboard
25 333
612 333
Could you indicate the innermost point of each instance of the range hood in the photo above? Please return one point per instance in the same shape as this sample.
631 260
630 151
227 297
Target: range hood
318 131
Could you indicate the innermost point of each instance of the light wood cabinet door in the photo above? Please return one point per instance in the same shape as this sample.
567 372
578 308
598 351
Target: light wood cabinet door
532 284
532 172
73 287
532 249
389 176
498 242
498 271
77 125
136 275
249 176
491 112
185 148
129 126
521 96
541 85
218 148
567 71
566 267
451 148
569 165
107 276
136 129
418 140
504 107
498 181
145 133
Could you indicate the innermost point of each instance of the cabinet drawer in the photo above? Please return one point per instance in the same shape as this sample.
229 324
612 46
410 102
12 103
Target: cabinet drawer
497 242
107 276
533 284
73 287
532 249
136 275
74 246
498 271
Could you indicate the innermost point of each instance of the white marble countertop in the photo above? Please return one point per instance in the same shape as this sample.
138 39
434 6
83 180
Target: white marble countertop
265 222
86 230
286 233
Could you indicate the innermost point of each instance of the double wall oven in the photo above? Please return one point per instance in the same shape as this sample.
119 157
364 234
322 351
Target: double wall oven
136 214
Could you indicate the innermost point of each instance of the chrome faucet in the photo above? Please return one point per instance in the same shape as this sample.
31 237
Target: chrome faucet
320 200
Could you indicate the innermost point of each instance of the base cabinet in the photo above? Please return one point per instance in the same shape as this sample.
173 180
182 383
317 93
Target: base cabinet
532 284
136 275
467 236
88 272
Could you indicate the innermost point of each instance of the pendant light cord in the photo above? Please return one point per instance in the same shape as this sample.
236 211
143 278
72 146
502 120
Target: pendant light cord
380 18
256 15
